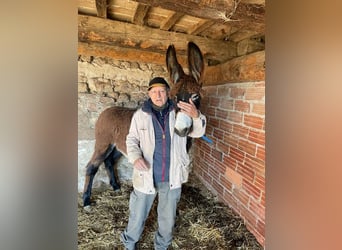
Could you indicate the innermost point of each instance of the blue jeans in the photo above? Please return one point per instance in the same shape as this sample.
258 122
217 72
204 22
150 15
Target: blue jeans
140 205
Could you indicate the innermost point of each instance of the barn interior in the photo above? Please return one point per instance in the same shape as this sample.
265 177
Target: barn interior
121 46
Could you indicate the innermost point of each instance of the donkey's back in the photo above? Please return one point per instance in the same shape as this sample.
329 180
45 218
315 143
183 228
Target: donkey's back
112 128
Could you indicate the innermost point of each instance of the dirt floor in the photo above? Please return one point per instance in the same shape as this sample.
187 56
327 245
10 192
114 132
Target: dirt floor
202 223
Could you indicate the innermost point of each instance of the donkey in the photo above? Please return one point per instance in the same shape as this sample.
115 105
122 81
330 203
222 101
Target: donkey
113 123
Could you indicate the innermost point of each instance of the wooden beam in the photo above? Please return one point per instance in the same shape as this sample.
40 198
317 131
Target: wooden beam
93 29
170 21
241 69
214 10
202 25
140 13
101 8
125 54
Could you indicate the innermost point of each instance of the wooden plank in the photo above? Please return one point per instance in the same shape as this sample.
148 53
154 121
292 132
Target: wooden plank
94 29
125 54
170 21
241 69
212 9
101 7
140 13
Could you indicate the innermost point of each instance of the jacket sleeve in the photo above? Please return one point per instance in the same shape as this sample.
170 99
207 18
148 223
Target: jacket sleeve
133 141
198 126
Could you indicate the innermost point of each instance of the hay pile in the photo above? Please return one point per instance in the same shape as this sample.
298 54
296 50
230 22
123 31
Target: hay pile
202 222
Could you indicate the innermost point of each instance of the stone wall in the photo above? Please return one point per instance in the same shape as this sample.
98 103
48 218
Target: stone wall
103 83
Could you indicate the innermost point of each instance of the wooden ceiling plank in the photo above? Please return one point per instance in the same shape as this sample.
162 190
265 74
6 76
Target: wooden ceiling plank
101 8
140 14
171 20
200 27
214 10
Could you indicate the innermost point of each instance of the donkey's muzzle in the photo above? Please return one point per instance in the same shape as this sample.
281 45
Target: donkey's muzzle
183 125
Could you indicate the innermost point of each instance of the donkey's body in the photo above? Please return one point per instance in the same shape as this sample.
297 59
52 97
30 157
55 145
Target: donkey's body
113 123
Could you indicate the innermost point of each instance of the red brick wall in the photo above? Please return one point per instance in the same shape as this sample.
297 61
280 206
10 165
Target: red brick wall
233 167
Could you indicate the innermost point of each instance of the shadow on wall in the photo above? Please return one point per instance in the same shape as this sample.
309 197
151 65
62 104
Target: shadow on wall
85 150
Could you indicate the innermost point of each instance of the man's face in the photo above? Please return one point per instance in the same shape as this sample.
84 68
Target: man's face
158 95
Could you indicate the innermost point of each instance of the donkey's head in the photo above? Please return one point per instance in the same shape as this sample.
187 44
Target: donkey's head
185 86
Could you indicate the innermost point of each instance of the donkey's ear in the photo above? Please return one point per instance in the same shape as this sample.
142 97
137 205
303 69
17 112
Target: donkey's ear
173 67
195 61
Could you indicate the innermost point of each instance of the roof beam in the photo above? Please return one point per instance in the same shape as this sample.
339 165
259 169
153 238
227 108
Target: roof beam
101 8
171 20
140 14
109 32
251 11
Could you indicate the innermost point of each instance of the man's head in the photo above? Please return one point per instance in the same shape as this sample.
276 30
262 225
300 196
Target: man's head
158 91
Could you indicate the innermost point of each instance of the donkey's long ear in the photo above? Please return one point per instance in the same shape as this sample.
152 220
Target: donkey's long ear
173 67
195 60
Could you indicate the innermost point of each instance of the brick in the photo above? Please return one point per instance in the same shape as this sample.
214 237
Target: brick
259 182
246 172
213 122
255 94
241 196
242 106
237 92
231 140
227 104
237 154
226 183
224 148
230 200
248 147
251 189
260 153
259 84
257 209
256 164
235 116
230 162
218 133
210 90
221 167
214 101
217 186
216 154
258 108
263 199
253 121
248 216
223 90
226 126
240 131
257 136
214 172
210 111
234 177
220 113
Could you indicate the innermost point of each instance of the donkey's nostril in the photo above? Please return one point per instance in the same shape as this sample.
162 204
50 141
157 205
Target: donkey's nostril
182 132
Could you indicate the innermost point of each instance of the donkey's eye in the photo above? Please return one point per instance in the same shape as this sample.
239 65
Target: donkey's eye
194 97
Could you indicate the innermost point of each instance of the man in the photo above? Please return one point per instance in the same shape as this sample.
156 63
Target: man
160 162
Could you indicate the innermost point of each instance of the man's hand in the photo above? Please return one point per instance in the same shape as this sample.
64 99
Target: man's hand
141 164
188 108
